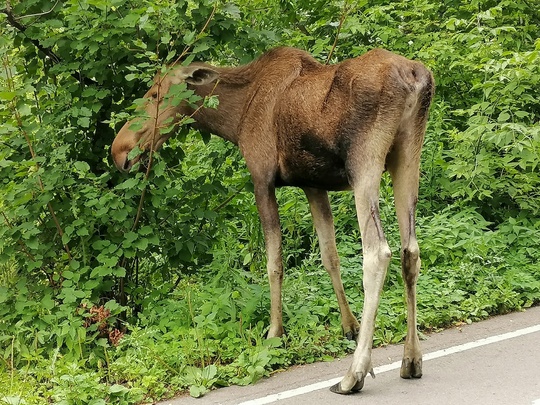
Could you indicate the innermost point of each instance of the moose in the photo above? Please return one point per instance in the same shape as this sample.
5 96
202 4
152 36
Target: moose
322 128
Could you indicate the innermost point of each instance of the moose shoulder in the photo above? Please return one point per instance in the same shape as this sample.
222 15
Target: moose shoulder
300 123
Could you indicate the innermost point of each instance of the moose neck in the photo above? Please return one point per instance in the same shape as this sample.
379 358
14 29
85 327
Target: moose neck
224 120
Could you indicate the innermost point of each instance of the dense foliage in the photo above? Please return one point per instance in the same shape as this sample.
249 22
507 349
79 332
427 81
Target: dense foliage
124 288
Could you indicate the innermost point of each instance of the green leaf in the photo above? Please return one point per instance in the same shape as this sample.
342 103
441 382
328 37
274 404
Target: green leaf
503 117
33 243
3 294
7 95
146 230
83 232
165 39
129 238
82 166
189 37
13 400
141 243
47 302
131 20
83 122
201 47
100 244
117 389
209 372
197 391
66 238
232 9
247 259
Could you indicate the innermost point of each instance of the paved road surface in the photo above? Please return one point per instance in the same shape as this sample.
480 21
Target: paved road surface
492 362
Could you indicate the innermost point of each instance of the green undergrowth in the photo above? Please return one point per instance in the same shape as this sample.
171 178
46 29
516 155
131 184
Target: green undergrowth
210 331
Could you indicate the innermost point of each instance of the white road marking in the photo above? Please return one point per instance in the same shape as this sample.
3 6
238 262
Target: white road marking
393 366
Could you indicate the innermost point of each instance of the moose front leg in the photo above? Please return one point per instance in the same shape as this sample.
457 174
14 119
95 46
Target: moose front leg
268 211
324 225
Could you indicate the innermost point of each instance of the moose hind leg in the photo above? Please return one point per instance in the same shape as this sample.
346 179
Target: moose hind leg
376 255
404 170
411 366
324 225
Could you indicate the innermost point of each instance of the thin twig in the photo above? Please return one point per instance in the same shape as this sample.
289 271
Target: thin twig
230 198
176 283
156 127
39 14
188 47
139 209
346 11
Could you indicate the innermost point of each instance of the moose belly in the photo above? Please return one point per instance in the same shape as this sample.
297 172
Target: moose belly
316 167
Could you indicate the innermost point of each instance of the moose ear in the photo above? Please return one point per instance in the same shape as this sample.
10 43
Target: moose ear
199 75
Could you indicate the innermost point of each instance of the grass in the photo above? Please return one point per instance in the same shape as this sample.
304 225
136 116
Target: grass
210 331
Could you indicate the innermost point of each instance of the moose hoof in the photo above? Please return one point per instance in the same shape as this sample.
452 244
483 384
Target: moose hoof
338 389
351 335
411 368
352 332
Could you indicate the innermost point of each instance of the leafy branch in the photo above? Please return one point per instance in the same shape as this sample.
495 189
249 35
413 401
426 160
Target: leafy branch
11 87
346 11
14 22
155 133
155 130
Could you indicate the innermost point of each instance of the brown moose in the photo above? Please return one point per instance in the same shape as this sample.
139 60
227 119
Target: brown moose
321 128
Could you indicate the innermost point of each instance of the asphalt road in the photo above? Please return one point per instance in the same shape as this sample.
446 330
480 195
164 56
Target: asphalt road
496 361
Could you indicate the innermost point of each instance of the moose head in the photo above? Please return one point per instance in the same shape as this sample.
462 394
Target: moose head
161 112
